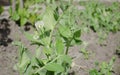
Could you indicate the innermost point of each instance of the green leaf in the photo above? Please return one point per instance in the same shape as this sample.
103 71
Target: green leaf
94 72
46 40
59 46
54 67
32 18
65 31
25 61
15 16
78 42
28 70
48 19
47 50
56 14
23 21
66 58
38 52
77 34
31 38
76 38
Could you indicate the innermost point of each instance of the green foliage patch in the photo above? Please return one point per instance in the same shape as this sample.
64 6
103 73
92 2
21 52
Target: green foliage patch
101 18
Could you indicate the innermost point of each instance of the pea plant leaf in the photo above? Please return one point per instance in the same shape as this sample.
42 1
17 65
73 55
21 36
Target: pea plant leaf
65 31
66 58
25 60
77 34
32 39
15 16
48 19
23 21
59 46
54 67
76 38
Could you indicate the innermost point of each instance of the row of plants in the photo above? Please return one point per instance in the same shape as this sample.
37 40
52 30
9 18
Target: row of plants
103 68
100 17
57 28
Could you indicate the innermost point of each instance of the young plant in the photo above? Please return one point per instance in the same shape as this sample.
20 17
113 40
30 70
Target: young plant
84 51
55 34
105 68
101 18
18 13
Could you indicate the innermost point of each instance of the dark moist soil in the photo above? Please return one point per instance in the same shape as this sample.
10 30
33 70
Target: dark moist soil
10 32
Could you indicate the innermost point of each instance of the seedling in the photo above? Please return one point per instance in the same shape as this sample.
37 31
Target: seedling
84 51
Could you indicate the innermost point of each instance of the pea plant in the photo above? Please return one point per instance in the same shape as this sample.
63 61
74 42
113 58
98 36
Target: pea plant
104 68
55 33
101 18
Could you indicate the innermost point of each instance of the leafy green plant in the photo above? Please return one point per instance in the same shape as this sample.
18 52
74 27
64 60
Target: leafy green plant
25 14
19 14
101 18
55 34
105 68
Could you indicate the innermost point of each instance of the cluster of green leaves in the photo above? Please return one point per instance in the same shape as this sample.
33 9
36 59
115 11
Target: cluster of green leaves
104 68
25 14
101 18
55 33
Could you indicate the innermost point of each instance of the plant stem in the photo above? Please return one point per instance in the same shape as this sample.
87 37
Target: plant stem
66 52
69 41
